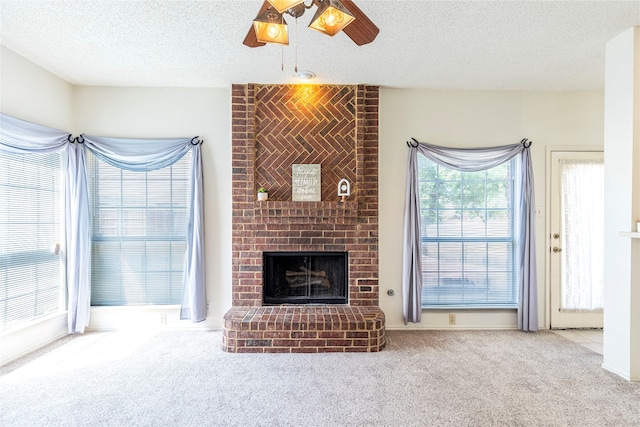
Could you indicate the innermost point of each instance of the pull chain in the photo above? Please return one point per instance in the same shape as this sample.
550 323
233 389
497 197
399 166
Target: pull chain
296 65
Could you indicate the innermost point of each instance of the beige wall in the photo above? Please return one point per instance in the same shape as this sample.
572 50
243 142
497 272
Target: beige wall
472 119
455 118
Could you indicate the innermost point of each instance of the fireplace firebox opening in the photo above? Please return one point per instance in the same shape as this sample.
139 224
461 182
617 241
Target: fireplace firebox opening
305 277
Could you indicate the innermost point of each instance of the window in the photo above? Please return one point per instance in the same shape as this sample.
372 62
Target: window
138 233
469 253
30 227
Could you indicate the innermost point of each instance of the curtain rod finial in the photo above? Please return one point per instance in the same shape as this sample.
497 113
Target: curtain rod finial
413 143
526 143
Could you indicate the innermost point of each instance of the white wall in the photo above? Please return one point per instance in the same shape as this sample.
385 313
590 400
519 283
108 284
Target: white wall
622 206
34 94
471 119
162 112
31 93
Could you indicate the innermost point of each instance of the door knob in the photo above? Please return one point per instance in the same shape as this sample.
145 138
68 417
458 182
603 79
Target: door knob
556 249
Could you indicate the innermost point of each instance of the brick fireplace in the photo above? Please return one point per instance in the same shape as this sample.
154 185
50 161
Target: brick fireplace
274 127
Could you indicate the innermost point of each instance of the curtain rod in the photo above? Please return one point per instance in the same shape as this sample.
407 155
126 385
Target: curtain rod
526 143
80 139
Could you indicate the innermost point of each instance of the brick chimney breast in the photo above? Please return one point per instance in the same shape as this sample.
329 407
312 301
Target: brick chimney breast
274 127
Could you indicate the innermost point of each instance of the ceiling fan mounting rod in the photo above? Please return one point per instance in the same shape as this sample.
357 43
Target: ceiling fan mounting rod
298 10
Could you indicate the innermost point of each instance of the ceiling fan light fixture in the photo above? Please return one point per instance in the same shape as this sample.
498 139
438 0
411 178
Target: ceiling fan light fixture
282 5
331 17
270 27
305 75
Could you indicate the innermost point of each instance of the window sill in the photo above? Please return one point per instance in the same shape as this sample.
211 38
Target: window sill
29 336
466 307
23 326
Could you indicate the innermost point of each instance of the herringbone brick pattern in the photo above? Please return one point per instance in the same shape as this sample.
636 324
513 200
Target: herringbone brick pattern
305 124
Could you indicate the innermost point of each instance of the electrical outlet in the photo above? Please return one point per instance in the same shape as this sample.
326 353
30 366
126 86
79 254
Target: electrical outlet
163 319
452 319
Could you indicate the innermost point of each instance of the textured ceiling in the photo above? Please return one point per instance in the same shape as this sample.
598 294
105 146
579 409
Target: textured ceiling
515 45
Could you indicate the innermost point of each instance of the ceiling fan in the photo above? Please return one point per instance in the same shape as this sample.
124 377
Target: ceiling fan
331 17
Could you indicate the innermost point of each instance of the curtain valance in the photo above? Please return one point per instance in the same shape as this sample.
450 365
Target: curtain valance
470 159
138 155
22 137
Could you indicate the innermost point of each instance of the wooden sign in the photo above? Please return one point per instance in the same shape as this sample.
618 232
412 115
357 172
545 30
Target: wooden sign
305 183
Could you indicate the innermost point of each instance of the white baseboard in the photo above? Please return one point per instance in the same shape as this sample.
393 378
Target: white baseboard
619 373
145 317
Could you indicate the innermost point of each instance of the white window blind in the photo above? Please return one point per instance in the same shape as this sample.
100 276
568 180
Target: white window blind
31 194
138 233
469 250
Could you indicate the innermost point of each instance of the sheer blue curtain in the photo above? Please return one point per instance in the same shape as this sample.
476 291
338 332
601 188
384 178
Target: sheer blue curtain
22 137
193 300
78 238
471 160
412 252
144 155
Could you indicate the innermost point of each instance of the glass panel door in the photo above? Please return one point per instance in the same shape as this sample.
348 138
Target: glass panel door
577 239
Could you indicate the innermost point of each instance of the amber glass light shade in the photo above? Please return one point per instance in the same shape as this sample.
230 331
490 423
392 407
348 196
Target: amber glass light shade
331 17
282 5
270 27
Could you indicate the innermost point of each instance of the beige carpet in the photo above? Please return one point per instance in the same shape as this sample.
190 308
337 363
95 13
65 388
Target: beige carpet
431 378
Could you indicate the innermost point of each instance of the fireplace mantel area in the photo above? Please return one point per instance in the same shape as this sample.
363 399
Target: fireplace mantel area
275 127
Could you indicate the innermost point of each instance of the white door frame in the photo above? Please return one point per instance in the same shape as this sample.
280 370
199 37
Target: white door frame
547 219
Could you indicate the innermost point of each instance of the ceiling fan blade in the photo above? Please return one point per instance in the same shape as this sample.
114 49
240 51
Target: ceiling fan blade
362 30
251 40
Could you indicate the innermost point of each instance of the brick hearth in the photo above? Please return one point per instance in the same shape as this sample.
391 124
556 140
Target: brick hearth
274 127
304 329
